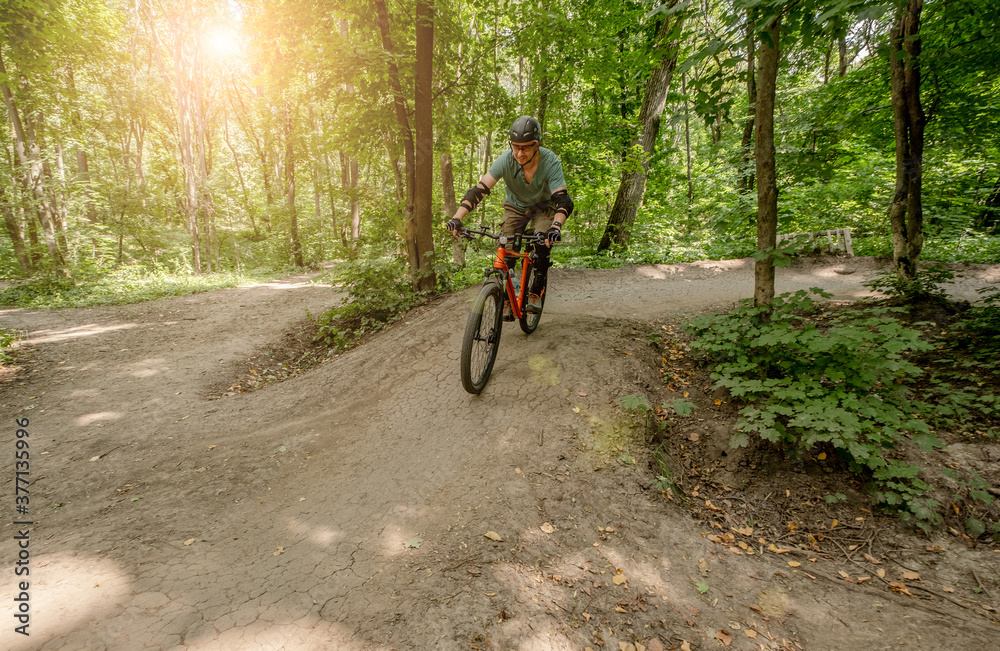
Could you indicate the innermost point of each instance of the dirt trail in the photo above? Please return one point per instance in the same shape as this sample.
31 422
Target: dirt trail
346 508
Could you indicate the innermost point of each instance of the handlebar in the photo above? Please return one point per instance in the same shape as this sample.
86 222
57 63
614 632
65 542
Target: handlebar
467 233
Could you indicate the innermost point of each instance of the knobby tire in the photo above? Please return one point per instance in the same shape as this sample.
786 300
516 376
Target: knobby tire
482 338
529 321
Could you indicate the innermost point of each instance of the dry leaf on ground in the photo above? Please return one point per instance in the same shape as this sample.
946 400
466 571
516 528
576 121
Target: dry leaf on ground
724 637
547 527
493 535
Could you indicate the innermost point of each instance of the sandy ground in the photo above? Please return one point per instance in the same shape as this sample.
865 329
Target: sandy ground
371 503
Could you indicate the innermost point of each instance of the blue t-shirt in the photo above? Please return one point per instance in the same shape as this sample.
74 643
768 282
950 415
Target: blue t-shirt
547 178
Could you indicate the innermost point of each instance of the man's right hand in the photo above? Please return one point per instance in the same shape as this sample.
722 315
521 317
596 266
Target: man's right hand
454 225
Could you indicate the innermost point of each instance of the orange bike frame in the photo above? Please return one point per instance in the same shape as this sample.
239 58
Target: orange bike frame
501 263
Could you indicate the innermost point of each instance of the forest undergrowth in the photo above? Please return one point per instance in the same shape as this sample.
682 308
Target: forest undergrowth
832 415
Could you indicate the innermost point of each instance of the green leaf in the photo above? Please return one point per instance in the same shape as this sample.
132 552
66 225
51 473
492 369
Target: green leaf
702 587
975 527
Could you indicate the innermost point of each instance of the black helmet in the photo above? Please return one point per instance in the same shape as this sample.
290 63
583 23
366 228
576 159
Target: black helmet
525 129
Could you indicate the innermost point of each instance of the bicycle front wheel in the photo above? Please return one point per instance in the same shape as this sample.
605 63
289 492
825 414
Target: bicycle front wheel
529 320
482 338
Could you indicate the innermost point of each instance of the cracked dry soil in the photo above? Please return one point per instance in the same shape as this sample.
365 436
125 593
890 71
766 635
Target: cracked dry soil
347 508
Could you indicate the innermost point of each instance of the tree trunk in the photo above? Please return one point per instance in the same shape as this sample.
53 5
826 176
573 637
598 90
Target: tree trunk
399 103
29 157
14 231
842 60
687 144
767 185
185 138
906 209
746 180
421 224
633 183
293 228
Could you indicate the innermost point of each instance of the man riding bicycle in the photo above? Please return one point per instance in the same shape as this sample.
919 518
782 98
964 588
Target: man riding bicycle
535 191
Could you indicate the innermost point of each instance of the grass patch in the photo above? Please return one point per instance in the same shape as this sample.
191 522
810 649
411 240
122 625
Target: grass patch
133 284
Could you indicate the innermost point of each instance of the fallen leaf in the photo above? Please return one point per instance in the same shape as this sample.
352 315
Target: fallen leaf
709 504
576 410
833 525
517 471
745 531
949 590
547 527
619 609
717 401
794 564
280 550
693 437
703 565
685 645
655 645
619 579
862 579
750 633
844 575
910 576
586 616
872 559
582 394
493 535
881 573
212 447
724 637
792 526
188 542
899 588
413 543
686 394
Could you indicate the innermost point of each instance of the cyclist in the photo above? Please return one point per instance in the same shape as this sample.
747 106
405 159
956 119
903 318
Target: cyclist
535 191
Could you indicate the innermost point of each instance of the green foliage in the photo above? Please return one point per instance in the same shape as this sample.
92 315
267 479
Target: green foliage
7 337
131 284
808 378
379 292
927 285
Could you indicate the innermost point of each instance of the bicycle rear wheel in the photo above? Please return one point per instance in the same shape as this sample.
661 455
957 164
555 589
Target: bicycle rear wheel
529 320
482 338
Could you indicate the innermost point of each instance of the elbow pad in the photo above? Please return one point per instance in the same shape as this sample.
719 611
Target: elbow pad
474 196
563 202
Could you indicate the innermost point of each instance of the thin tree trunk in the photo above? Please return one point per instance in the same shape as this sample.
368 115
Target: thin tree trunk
290 189
633 183
421 223
746 180
842 54
14 231
767 185
687 144
399 103
906 209
32 179
239 175
185 137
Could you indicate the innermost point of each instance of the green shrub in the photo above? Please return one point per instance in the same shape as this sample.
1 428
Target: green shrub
809 379
379 291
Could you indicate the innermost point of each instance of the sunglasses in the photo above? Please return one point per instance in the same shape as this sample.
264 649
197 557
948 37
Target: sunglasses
522 149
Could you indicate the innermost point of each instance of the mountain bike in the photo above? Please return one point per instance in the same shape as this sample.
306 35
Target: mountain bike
485 324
